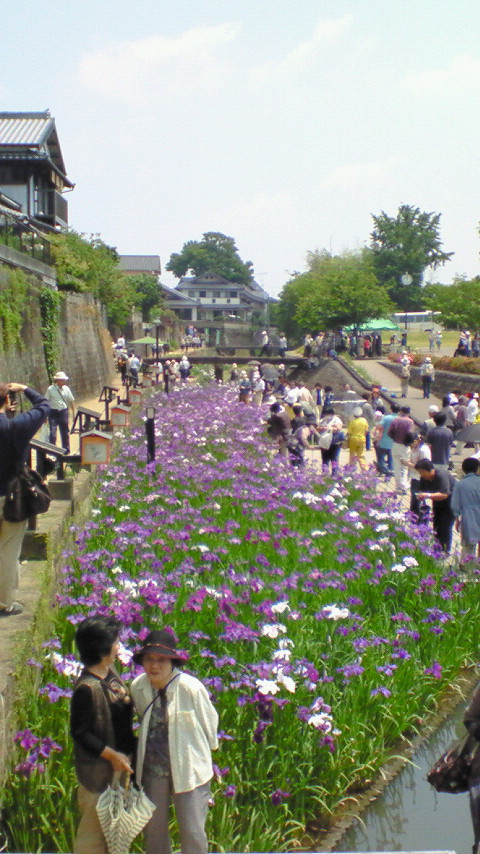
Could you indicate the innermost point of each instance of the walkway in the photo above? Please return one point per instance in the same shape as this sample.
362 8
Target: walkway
388 380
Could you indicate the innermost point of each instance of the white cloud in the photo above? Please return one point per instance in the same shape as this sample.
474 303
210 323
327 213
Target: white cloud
356 175
303 55
135 70
460 77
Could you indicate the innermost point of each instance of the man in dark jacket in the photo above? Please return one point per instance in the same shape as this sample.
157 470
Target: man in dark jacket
15 436
437 485
279 427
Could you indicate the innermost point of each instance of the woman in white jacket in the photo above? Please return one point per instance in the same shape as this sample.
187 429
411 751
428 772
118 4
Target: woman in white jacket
178 731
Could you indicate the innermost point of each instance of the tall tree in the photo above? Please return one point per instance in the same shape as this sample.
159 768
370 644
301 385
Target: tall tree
458 304
215 252
403 247
148 294
334 292
87 264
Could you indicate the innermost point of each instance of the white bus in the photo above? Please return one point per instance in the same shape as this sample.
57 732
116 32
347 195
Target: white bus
425 320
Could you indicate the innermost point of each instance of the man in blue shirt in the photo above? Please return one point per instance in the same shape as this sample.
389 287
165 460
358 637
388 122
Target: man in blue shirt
383 448
466 506
15 436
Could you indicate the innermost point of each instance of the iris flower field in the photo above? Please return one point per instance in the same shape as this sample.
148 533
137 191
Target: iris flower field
321 620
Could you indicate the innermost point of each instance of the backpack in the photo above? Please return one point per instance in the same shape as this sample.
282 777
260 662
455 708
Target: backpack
428 370
405 372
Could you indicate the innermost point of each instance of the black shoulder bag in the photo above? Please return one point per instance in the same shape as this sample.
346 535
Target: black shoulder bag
27 495
451 773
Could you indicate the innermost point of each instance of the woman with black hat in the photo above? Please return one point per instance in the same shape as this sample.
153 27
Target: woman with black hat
178 731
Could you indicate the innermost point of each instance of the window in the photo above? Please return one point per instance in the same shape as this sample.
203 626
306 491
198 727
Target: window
191 293
202 294
214 300
228 300
234 293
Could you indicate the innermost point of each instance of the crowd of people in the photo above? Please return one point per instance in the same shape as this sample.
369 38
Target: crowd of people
468 344
415 458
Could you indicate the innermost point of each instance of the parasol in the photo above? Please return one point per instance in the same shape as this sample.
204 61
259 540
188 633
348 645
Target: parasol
123 813
469 434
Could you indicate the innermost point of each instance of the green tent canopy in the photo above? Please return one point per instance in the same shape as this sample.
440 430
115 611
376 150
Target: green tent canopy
146 340
381 323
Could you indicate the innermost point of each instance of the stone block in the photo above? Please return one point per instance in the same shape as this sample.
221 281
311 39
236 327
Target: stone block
61 490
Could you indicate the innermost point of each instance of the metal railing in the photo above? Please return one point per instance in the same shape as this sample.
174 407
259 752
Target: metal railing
20 236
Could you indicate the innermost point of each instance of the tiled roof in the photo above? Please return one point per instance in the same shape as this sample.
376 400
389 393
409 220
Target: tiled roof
32 134
25 128
140 263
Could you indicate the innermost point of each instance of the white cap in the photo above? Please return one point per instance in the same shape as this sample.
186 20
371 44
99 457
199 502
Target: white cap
60 375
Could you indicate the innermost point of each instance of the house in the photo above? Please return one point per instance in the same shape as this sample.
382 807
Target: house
137 265
220 301
32 171
140 265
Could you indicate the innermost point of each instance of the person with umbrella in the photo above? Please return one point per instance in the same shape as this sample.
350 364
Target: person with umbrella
178 731
100 724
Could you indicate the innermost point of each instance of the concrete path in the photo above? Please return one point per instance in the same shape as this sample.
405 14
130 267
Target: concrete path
386 378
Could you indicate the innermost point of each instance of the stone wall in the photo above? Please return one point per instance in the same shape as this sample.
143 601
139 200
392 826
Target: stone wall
85 345
445 381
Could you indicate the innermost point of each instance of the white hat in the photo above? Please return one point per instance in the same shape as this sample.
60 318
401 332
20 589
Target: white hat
433 408
357 412
60 375
428 359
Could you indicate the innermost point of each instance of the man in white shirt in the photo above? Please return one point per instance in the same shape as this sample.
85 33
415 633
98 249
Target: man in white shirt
61 400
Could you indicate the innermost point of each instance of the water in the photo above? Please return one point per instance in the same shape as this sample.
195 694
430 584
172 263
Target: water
410 815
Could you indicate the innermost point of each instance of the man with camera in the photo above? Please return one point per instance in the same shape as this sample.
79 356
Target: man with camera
15 436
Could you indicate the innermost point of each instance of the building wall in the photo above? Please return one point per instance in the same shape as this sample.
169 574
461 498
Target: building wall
85 345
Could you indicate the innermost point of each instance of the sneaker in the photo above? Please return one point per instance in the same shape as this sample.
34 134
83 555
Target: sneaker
12 610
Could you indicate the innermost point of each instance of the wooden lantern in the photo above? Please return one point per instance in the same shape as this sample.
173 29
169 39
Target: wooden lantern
95 447
135 395
120 415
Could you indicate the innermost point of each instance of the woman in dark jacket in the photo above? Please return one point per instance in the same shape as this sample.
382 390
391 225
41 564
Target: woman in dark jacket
100 724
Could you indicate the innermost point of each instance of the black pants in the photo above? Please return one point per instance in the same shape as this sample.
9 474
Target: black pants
443 520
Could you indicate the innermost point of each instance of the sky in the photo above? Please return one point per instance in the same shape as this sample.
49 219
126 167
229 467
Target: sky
284 124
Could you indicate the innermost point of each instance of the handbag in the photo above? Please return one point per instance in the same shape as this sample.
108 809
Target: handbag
451 773
325 439
27 495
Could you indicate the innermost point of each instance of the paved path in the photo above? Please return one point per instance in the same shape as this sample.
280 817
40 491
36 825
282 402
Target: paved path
386 378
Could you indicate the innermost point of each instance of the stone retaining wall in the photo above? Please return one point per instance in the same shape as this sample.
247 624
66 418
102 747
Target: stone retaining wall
85 344
445 381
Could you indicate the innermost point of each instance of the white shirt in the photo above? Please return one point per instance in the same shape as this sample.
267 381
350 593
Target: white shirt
192 729
59 398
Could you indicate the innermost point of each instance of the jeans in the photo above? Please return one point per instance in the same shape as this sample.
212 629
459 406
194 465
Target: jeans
384 460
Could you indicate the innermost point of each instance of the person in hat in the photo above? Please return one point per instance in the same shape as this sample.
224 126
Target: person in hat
178 731
61 401
427 374
356 433
265 342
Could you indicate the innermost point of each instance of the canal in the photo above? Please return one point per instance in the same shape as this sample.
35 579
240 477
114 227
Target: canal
410 815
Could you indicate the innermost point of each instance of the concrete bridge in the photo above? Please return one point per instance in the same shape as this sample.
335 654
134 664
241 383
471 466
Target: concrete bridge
227 355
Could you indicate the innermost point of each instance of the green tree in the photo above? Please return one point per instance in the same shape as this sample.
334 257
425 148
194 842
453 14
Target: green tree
459 303
334 292
215 252
405 246
148 294
89 265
